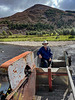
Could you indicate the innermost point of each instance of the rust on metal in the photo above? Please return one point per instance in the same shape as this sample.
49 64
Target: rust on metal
15 90
24 85
25 90
11 61
49 78
53 73
16 68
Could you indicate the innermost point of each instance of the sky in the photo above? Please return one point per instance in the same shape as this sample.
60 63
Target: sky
10 7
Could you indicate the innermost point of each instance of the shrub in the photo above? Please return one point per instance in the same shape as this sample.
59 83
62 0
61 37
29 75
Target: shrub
4 33
71 36
10 33
66 32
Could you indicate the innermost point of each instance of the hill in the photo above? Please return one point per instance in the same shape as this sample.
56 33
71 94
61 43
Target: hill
39 15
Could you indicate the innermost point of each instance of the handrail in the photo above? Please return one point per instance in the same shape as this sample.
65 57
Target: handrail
69 75
66 58
71 82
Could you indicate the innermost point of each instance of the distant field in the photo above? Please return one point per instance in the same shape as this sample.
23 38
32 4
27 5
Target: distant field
37 38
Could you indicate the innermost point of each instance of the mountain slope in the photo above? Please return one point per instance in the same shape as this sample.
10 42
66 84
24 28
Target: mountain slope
43 14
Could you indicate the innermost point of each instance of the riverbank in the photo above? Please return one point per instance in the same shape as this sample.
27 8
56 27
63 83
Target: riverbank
33 43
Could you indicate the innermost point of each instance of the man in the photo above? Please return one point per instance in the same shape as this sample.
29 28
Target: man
44 53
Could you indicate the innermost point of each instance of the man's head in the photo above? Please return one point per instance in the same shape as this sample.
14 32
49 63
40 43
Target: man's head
45 43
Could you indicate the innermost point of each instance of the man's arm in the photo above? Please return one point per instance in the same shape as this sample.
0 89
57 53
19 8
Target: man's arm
39 53
50 55
40 56
50 59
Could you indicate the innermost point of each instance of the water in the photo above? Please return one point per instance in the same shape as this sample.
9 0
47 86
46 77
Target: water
9 51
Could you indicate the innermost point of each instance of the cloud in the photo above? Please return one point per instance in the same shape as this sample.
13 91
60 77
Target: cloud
10 7
67 5
4 8
3 11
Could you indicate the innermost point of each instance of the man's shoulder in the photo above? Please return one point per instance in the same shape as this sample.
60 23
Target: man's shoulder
48 47
42 47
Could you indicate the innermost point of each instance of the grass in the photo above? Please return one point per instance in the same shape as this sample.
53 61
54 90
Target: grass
37 38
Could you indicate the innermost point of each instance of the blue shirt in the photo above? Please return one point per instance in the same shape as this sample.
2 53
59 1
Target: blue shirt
46 54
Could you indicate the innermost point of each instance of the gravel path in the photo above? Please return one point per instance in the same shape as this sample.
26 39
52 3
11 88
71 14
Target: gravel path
33 43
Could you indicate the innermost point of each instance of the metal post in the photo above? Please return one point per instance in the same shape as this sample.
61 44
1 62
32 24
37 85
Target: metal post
50 78
71 82
66 58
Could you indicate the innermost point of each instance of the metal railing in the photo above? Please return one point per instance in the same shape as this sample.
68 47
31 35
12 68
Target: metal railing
69 75
71 82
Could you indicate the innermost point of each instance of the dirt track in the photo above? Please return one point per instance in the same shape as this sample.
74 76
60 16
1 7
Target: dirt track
33 43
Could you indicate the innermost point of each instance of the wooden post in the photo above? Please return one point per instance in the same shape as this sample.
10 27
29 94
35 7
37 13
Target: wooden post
50 78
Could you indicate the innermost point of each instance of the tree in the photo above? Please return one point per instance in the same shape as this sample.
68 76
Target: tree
72 32
66 32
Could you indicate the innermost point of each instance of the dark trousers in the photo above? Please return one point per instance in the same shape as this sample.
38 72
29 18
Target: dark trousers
45 63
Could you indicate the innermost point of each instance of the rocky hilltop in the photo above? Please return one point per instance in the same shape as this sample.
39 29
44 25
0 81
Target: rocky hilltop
40 14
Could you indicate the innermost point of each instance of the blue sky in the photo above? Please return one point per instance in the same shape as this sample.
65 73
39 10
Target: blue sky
10 7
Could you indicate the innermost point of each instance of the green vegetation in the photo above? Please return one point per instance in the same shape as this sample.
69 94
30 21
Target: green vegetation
53 35
38 31
57 17
38 26
38 38
52 12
